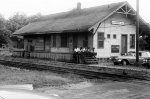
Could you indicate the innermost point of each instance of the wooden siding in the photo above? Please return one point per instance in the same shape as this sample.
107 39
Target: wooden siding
45 43
118 30
43 46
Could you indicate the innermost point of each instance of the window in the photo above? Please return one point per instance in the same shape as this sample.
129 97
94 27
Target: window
114 36
108 36
54 40
64 40
100 39
132 40
39 45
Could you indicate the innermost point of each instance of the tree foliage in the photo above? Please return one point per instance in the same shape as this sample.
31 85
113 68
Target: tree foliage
4 33
15 22
19 20
34 18
144 42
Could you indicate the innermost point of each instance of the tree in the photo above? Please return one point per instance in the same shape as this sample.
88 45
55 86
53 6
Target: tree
143 42
18 21
34 18
2 22
4 33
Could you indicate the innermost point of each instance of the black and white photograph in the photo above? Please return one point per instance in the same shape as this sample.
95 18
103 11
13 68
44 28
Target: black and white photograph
74 49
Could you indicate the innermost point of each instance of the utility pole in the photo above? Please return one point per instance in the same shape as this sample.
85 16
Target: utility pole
137 32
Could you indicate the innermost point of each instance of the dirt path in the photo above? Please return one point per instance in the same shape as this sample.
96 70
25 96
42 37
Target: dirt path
107 90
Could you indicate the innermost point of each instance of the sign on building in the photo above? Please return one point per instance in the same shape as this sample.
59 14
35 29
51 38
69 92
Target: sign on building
117 22
114 48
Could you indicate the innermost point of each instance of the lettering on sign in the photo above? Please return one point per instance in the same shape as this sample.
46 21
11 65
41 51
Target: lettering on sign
117 22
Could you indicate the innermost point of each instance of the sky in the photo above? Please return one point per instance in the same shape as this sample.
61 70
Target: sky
31 7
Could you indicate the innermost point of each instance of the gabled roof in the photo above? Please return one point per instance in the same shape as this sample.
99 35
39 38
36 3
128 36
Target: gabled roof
75 20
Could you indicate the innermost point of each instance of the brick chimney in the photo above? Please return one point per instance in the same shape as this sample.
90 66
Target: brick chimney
78 6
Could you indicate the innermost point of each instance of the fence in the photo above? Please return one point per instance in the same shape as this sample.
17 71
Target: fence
44 55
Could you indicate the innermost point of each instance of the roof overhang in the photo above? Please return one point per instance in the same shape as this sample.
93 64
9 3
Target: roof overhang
144 26
53 32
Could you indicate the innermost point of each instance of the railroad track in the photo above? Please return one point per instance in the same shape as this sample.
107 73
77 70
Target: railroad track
86 74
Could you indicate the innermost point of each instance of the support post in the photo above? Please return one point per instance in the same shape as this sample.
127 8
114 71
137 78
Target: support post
137 32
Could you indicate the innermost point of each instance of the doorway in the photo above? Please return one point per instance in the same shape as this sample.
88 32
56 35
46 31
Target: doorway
123 44
75 41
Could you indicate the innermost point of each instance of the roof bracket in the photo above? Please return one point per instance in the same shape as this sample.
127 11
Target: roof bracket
126 10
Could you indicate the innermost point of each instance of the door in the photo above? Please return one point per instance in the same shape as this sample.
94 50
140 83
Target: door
47 43
85 40
123 44
75 41
29 46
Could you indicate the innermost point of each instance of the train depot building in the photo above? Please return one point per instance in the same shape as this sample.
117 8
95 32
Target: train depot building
108 29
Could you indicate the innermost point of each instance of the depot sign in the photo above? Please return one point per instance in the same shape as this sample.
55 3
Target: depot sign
117 22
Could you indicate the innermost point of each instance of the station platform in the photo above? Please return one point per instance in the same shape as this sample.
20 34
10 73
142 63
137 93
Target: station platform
104 68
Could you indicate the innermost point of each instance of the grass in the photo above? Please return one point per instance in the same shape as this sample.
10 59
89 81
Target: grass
39 79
